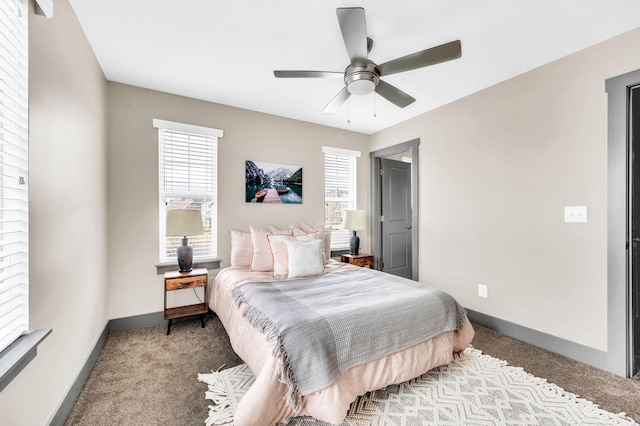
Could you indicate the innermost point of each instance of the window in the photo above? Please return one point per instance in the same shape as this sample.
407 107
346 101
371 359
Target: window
188 180
339 191
14 200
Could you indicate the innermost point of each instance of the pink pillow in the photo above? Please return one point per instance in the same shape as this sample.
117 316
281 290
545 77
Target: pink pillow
295 231
306 227
325 231
281 254
241 249
275 231
262 260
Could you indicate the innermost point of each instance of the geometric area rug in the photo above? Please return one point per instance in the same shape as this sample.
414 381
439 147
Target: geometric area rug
474 389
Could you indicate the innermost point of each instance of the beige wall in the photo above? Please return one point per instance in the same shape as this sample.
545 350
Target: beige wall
134 286
68 213
497 169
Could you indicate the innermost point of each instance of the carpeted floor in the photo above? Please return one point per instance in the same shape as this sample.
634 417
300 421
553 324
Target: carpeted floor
146 377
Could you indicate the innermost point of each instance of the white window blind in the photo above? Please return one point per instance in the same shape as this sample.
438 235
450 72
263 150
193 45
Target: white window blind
14 201
339 192
188 179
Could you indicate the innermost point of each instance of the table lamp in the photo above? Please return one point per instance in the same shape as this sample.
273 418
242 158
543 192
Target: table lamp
354 220
183 223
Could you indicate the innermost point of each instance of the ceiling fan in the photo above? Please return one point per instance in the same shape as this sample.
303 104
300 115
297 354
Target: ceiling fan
362 76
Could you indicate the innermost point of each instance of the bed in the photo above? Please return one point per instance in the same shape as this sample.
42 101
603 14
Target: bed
271 399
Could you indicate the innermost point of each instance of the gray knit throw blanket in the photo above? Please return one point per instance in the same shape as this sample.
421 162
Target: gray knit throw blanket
319 327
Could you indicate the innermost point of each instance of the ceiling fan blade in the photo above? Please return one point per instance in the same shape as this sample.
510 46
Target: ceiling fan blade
435 55
337 101
307 74
393 94
354 32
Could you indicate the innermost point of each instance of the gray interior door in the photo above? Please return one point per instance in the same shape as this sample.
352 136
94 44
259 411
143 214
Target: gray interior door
396 213
634 195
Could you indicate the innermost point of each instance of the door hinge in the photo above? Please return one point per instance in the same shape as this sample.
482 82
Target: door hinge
381 265
381 218
381 172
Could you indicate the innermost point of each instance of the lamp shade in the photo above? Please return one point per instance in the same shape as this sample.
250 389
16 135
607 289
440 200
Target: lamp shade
181 223
355 220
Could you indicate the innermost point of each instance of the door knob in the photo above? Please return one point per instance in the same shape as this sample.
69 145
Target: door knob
409 227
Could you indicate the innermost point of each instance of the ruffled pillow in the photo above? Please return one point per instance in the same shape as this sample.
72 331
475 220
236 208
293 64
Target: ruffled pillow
275 231
324 231
307 228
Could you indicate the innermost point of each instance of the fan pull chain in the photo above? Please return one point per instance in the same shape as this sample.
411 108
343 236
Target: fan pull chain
375 115
349 110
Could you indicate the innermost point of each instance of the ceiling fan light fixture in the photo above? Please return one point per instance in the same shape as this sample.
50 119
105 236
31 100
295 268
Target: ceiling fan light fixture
361 87
363 76
361 80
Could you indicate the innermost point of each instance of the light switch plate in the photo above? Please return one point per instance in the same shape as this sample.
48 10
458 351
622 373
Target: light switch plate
483 290
575 214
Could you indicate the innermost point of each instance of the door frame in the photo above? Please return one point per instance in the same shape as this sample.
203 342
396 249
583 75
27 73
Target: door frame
619 327
376 207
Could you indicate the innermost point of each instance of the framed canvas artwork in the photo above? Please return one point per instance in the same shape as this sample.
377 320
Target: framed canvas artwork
272 183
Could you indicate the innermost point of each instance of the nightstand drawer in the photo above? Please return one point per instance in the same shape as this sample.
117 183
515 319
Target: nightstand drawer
186 282
363 261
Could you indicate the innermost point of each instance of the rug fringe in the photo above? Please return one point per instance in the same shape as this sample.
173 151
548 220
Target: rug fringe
221 413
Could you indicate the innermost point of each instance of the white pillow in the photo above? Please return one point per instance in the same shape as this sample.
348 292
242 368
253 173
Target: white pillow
305 258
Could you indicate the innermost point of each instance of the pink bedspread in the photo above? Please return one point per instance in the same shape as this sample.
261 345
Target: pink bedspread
264 403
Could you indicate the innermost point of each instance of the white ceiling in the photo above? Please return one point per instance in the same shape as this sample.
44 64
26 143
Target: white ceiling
226 51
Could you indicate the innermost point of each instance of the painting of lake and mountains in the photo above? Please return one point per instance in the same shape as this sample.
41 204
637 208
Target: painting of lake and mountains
272 183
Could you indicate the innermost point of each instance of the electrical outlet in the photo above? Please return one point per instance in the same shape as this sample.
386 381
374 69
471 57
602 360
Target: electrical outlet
483 291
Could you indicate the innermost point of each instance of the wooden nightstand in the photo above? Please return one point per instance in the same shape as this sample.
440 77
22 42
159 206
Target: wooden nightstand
362 259
174 280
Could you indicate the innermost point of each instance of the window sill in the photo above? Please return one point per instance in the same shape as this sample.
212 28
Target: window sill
161 268
339 252
19 354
